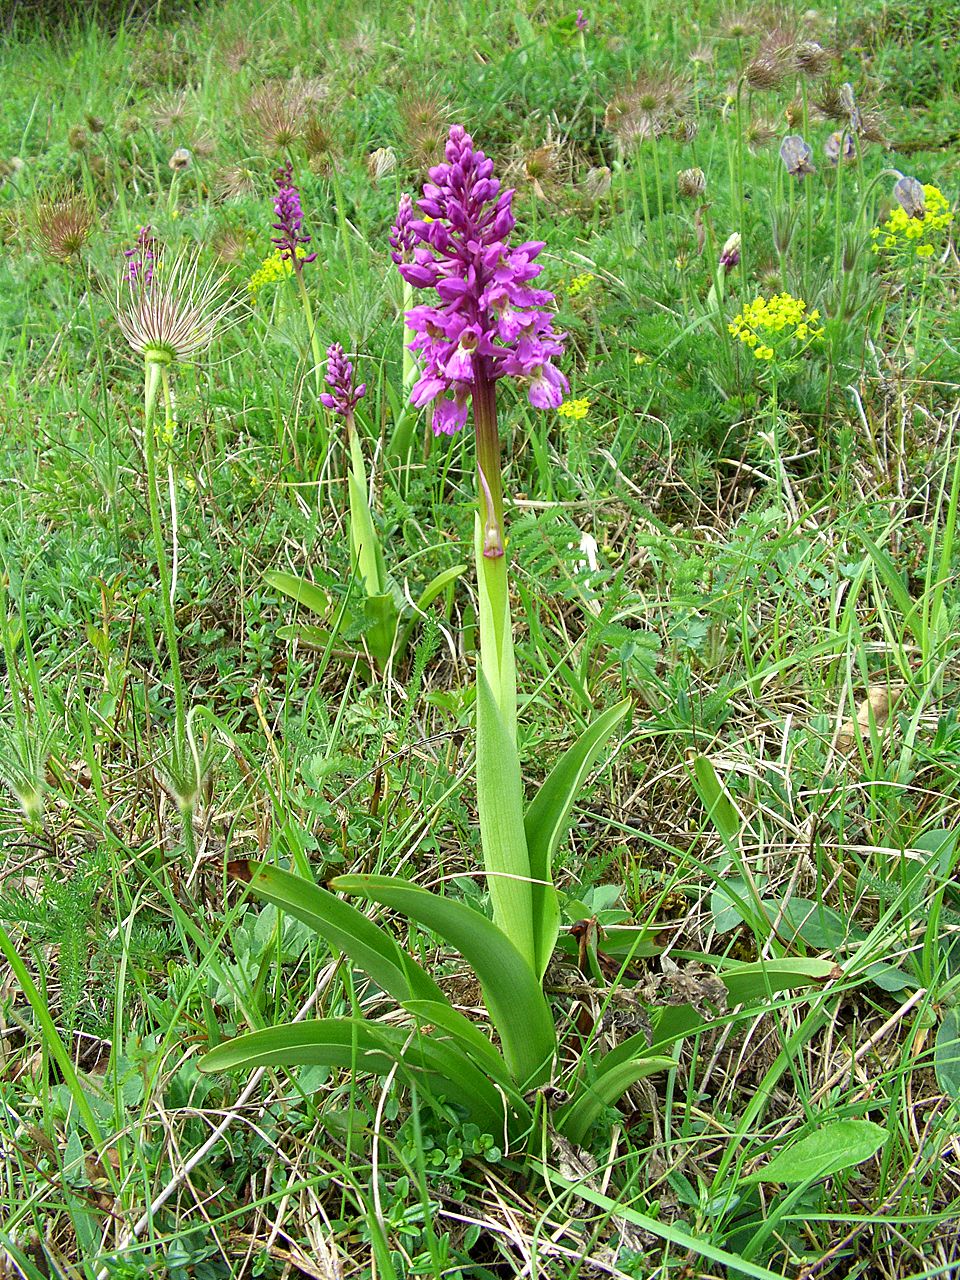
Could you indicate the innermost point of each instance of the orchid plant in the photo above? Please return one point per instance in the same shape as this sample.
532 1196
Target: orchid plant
483 324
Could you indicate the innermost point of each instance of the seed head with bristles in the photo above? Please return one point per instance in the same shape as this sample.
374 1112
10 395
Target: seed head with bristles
62 224
178 313
811 58
278 114
170 112
424 120
235 182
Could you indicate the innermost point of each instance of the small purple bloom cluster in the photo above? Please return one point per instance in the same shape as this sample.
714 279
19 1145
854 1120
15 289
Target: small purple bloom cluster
489 323
287 207
402 239
141 259
343 396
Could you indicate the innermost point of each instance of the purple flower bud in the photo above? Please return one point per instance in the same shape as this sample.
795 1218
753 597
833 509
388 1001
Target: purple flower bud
343 396
909 195
488 322
796 155
730 253
401 233
289 213
581 21
840 146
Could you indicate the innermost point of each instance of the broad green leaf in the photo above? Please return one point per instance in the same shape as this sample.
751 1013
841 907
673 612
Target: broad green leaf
546 821
467 1034
946 1054
720 808
368 1046
381 626
575 1119
500 804
759 979
344 927
836 1145
512 993
306 593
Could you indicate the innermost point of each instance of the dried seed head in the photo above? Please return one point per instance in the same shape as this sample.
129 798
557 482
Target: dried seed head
648 107
235 182
702 55
424 120
130 124
230 244
277 112
872 127
596 183
77 138
381 162
94 123
320 145
180 160
737 24
691 183
811 58
686 128
759 134
62 223
170 112
766 70
829 102
176 314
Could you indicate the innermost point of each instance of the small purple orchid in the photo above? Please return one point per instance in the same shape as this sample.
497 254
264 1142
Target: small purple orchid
141 259
287 207
402 238
581 21
489 323
343 395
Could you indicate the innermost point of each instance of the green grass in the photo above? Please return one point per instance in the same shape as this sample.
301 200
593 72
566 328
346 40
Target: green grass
774 587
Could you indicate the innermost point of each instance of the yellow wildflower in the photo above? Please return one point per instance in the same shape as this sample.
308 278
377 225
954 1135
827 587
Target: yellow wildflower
774 326
917 236
574 409
270 271
580 284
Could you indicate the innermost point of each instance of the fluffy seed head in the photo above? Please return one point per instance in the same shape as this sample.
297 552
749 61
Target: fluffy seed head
62 224
691 183
177 313
277 113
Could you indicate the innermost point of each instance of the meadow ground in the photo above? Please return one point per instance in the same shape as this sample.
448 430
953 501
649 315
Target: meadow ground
241 627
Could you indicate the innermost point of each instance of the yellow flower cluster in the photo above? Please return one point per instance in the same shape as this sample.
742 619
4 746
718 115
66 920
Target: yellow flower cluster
781 321
574 409
270 271
580 284
902 232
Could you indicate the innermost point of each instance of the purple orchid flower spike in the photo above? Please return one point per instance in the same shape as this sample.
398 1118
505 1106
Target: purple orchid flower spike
343 396
796 155
581 21
402 238
289 212
141 259
488 323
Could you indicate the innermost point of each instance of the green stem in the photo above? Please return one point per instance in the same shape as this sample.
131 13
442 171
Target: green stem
311 327
496 638
155 372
